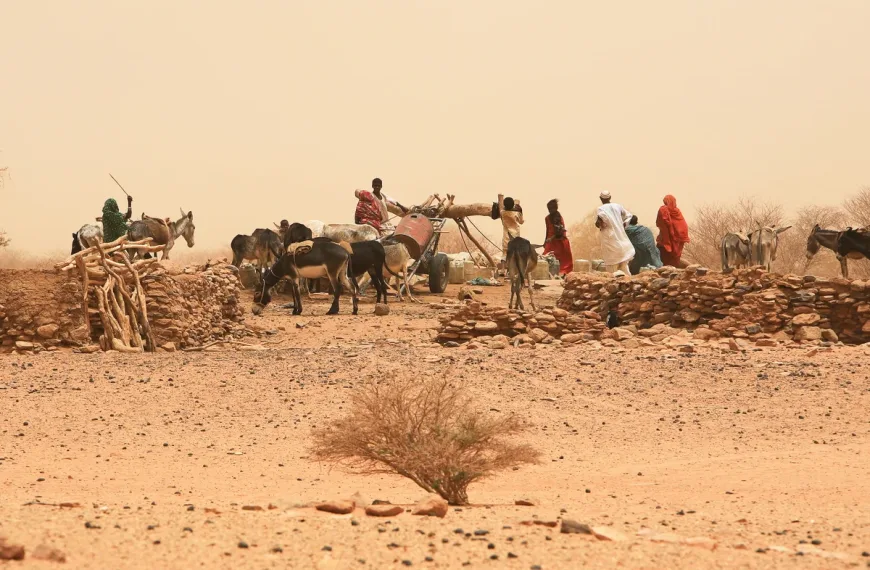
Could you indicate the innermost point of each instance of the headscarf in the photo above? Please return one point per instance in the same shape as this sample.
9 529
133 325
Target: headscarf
114 224
672 218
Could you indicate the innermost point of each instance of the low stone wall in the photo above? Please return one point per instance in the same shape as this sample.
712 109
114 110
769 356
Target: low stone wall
746 305
41 310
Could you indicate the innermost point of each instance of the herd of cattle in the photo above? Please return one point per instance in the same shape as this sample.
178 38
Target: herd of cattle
758 247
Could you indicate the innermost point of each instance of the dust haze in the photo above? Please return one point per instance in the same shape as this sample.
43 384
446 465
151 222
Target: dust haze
247 114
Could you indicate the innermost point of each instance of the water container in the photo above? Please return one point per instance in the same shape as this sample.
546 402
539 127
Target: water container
457 271
248 276
597 265
582 265
414 232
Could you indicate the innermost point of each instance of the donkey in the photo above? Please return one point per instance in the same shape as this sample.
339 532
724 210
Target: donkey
89 235
309 260
830 239
763 243
521 261
735 252
161 232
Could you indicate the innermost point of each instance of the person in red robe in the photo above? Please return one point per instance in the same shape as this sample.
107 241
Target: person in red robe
673 232
556 241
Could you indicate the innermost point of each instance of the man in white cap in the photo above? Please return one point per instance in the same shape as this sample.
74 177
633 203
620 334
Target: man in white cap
616 248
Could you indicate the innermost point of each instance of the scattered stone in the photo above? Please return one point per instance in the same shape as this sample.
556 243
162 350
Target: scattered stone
431 506
337 507
384 510
382 310
10 551
766 342
573 527
525 503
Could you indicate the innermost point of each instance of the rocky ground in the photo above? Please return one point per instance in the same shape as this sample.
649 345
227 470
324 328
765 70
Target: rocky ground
753 458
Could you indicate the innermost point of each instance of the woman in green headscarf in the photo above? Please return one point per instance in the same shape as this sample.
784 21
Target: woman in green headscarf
115 223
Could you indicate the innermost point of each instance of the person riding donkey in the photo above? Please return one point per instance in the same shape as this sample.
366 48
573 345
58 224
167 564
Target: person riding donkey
115 223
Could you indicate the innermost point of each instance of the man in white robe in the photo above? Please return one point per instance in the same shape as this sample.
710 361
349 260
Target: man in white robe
616 248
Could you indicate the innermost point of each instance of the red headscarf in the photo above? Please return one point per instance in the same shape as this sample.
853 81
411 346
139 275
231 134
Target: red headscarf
673 229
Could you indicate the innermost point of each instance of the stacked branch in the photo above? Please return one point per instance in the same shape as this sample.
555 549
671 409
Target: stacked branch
112 293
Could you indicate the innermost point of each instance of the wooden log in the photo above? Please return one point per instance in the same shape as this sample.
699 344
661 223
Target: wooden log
108 332
465 210
143 308
85 286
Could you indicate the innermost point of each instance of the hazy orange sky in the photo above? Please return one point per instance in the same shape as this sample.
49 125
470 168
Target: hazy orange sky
247 112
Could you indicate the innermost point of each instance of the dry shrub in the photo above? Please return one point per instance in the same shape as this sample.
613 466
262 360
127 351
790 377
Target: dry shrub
712 221
453 241
430 432
4 241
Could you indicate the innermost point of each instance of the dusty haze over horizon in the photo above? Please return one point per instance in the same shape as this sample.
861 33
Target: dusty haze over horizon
250 112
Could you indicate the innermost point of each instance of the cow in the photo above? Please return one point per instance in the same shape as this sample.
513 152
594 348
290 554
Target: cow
735 252
763 243
89 235
262 246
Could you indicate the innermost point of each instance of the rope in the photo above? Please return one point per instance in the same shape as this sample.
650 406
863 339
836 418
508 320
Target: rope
468 249
483 234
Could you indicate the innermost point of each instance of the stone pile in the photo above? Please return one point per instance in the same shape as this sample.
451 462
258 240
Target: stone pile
678 309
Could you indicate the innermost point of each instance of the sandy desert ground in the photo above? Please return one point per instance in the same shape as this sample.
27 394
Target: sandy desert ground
763 457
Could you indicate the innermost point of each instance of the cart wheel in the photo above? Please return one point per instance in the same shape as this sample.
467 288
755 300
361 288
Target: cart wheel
439 268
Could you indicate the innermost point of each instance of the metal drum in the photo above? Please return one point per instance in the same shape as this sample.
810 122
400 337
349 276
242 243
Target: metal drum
415 231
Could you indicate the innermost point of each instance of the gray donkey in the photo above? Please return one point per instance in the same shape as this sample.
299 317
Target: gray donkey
763 243
162 232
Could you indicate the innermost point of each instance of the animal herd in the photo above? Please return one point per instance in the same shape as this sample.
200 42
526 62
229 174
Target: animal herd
758 247
306 253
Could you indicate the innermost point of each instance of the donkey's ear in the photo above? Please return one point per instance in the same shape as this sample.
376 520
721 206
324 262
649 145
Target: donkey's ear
780 230
190 215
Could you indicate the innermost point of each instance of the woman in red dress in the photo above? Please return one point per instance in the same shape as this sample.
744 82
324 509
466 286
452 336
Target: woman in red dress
673 232
557 240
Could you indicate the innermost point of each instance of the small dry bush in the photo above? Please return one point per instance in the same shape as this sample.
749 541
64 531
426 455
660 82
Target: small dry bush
430 432
453 241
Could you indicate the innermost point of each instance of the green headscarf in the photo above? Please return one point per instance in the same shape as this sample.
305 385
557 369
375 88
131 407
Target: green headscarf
114 225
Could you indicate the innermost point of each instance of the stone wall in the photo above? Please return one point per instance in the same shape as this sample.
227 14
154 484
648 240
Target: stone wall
41 310
195 306
748 305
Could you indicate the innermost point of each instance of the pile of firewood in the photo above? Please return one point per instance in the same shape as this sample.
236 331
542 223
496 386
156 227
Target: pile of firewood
112 293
